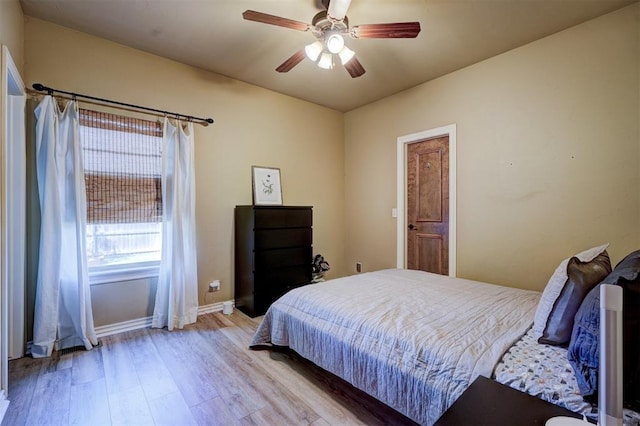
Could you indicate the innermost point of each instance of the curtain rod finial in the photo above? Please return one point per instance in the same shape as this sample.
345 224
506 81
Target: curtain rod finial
38 86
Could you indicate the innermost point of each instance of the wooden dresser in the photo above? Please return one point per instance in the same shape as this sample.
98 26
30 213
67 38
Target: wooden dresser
273 253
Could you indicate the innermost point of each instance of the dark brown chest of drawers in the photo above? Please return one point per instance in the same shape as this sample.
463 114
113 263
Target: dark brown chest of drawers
273 249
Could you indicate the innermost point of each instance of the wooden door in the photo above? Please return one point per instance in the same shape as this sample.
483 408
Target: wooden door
428 205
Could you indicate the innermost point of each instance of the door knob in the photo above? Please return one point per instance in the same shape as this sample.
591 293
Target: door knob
412 226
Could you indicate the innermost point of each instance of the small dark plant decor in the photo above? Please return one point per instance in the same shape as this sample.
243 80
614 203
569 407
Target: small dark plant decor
318 267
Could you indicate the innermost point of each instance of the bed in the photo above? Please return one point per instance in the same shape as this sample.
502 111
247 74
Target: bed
413 340
416 341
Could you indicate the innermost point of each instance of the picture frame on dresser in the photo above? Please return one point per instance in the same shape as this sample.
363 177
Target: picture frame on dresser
266 186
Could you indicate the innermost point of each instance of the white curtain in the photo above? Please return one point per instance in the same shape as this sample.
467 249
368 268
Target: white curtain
177 291
63 315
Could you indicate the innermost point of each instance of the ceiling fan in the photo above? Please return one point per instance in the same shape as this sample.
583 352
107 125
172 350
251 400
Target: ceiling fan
329 28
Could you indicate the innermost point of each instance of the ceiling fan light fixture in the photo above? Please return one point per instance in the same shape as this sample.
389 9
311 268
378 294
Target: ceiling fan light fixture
313 50
335 43
326 61
346 55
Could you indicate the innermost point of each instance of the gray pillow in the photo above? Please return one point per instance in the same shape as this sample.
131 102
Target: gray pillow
555 285
582 277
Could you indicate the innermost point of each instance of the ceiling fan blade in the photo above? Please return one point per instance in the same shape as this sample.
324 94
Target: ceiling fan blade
294 60
338 9
394 30
354 67
265 18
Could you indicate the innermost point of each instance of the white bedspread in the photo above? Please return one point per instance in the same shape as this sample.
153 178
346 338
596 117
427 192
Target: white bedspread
411 339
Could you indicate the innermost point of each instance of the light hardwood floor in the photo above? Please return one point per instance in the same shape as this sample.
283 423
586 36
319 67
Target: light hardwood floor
204 374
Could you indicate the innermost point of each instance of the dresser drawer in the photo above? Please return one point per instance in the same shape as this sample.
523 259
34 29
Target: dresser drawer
280 258
282 218
279 281
282 238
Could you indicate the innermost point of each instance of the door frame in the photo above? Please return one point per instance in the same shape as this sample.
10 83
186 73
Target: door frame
403 141
11 294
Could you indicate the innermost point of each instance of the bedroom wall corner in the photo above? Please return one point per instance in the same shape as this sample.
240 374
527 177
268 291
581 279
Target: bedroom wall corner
547 143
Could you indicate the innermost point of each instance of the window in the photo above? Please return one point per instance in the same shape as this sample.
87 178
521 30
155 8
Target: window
122 161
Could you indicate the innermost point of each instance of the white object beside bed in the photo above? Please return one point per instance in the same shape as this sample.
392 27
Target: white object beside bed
610 380
411 339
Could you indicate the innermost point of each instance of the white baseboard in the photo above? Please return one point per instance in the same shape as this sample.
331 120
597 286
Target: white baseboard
120 327
213 307
136 324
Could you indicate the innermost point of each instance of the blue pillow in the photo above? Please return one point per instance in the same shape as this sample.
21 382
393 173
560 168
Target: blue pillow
583 353
584 347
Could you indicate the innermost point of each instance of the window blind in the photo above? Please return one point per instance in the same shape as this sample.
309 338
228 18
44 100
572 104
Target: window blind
122 160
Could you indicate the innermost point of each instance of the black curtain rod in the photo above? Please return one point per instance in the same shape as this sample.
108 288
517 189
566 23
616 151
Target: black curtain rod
41 88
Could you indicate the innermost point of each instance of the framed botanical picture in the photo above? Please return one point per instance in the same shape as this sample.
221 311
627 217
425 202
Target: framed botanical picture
267 188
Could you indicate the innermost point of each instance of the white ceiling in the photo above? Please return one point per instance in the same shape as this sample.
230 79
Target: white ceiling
212 35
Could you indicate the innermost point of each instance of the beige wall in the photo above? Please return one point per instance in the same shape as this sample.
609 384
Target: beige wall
12 30
253 126
548 148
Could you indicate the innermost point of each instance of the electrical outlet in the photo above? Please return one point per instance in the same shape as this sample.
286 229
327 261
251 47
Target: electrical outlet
214 286
358 267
